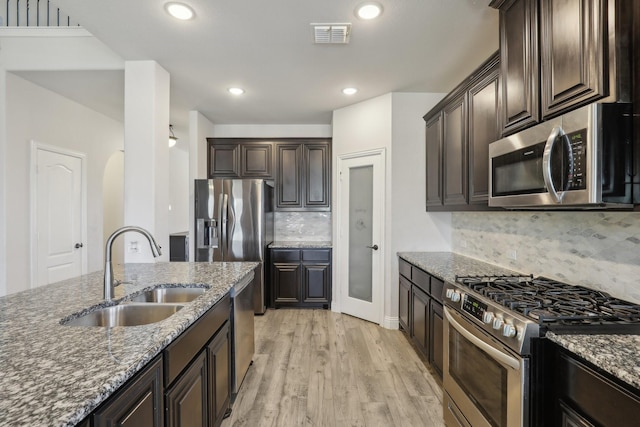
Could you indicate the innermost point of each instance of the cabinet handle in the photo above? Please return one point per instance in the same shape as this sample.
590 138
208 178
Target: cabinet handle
374 247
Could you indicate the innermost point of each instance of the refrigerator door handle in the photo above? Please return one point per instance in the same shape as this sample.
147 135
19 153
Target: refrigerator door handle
223 202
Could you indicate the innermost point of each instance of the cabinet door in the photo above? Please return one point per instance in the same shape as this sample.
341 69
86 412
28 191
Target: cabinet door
455 152
256 160
519 64
139 403
436 344
403 309
224 160
420 319
434 161
484 105
288 176
186 400
219 366
286 283
572 46
317 173
315 283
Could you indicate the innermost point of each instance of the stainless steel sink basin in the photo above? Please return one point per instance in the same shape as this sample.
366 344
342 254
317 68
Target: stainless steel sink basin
126 315
170 295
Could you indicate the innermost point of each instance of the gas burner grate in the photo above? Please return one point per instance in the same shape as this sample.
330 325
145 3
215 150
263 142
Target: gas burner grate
547 301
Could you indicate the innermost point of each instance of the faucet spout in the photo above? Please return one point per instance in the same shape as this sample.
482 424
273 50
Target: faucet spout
109 280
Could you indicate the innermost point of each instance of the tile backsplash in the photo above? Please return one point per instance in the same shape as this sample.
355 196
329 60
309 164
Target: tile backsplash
303 226
600 250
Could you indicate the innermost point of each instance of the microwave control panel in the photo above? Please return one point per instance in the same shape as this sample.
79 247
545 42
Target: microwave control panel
578 143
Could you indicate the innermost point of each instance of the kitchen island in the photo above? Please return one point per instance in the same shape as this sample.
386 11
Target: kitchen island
55 375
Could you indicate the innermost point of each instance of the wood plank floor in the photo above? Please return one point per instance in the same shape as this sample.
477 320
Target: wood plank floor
319 368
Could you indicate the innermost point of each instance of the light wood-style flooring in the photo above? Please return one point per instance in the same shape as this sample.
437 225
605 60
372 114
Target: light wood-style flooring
319 368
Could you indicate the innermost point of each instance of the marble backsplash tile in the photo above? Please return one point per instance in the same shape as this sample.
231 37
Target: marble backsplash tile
599 250
303 226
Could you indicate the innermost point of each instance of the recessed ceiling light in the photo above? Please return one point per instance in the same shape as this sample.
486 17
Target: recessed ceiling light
349 90
179 10
236 90
369 10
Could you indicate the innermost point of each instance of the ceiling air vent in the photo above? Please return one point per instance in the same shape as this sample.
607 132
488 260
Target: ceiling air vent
331 33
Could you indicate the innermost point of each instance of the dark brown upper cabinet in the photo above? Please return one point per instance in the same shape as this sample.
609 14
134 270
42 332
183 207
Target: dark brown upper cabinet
434 161
519 58
484 128
455 151
303 175
459 130
240 158
224 160
558 55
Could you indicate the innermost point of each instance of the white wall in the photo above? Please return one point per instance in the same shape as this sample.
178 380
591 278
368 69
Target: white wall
271 131
35 113
412 228
179 190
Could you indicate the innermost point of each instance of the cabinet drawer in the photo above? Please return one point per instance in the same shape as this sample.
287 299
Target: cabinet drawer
316 255
420 278
284 255
436 288
405 268
180 352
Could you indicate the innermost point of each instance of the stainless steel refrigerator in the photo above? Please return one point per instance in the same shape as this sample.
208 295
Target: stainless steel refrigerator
234 222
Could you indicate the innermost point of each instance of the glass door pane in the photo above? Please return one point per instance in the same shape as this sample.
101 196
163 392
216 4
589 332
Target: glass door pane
360 232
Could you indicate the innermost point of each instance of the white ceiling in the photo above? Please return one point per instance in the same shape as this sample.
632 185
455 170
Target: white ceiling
266 47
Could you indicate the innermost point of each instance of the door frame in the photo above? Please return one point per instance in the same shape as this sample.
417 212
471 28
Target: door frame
33 208
342 245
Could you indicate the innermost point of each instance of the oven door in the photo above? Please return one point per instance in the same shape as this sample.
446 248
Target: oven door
485 383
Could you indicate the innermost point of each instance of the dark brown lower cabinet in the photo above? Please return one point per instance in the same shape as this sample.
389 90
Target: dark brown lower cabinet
420 309
436 347
138 403
186 400
581 395
219 365
301 277
405 299
420 312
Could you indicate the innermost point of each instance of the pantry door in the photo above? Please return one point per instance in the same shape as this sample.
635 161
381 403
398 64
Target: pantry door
361 234
58 215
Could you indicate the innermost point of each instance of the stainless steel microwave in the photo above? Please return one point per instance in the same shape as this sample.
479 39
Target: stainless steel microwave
582 159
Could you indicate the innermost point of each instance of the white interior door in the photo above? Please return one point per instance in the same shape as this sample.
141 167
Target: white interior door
361 233
58 224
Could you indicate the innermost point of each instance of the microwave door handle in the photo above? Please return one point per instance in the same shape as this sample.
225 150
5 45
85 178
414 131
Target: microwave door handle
491 351
546 163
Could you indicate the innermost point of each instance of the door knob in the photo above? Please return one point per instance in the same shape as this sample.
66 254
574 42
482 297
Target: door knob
374 247
79 245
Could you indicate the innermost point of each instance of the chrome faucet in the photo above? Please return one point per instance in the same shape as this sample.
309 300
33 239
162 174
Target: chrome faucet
109 280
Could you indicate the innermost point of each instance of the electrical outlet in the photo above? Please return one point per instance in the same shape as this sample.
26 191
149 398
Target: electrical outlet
513 254
133 247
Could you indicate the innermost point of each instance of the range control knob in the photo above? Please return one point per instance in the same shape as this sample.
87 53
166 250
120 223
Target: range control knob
455 296
509 330
497 323
487 317
449 293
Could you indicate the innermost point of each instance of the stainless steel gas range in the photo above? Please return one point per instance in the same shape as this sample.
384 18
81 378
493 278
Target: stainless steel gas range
490 326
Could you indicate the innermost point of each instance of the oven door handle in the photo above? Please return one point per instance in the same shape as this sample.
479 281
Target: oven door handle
496 354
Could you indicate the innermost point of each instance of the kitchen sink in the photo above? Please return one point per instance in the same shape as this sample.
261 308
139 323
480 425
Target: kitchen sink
125 315
170 295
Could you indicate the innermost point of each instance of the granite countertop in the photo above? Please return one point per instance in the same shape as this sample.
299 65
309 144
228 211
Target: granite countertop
292 244
55 375
616 354
447 265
